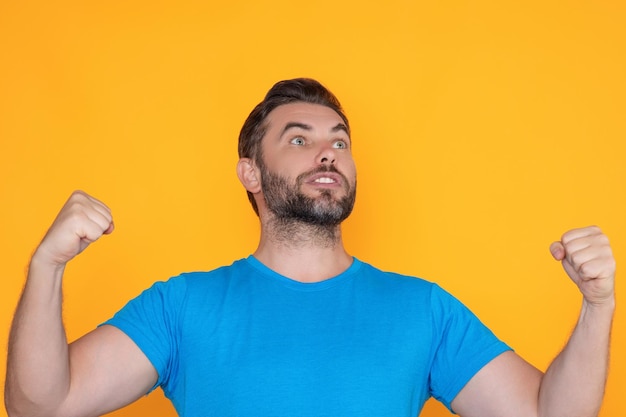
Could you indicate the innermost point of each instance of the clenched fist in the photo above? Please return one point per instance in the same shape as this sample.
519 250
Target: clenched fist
81 221
587 258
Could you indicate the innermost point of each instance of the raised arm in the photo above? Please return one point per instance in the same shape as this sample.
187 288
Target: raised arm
574 383
101 371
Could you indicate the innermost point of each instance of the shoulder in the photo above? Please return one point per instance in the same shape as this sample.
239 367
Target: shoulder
440 302
406 289
393 279
209 277
178 289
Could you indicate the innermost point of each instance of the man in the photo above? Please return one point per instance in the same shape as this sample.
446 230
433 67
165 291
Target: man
299 328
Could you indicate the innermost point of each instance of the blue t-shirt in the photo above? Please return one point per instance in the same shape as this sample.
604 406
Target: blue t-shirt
244 341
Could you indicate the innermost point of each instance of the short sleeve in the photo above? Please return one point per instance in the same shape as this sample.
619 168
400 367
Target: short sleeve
463 346
151 320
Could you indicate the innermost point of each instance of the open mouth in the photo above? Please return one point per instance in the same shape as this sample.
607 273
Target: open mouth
325 180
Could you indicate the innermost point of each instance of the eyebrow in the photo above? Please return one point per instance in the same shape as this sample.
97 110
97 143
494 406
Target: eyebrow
340 127
295 125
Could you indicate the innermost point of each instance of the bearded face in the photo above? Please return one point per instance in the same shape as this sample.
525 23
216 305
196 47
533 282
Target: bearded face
286 200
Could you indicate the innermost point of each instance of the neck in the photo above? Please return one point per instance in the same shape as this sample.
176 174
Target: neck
297 234
303 252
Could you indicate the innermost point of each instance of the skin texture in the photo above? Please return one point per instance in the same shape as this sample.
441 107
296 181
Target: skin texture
306 148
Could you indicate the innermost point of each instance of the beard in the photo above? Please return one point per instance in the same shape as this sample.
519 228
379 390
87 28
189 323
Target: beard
288 203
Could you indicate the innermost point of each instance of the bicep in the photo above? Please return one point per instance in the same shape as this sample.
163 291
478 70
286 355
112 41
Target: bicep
107 371
506 386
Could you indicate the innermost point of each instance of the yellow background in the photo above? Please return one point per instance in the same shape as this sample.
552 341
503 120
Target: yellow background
482 131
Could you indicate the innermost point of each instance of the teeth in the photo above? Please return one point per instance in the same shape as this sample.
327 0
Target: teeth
325 180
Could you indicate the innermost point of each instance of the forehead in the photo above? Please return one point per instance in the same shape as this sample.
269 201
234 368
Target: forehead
316 115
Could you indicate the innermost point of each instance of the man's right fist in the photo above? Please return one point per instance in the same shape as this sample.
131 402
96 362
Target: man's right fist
81 221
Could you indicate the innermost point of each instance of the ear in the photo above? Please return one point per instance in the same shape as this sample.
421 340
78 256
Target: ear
249 175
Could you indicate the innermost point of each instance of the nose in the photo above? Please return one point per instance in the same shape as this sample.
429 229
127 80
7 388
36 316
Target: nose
326 155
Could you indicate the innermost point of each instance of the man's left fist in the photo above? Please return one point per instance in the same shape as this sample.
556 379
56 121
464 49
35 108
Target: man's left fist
587 258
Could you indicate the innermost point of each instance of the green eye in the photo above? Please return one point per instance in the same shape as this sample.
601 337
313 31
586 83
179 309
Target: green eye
298 140
340 144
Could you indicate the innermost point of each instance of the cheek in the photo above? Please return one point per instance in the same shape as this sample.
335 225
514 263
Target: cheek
350 169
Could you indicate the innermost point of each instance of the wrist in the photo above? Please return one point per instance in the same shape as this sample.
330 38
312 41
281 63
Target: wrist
40 264
604 302
597 309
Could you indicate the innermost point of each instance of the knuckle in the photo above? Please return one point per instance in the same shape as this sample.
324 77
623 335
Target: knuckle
611 264
576 259
569 236
595 229
77 215
78 195
603 239
587 269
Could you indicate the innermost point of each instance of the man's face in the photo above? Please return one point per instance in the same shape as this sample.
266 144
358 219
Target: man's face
307 170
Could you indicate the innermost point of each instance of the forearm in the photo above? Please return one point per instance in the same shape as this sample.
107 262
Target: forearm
573 385
38 376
